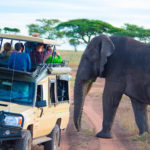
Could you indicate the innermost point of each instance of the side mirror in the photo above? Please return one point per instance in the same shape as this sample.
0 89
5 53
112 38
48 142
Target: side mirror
41 103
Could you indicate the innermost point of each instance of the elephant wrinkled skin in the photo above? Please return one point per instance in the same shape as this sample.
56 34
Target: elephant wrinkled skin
125 65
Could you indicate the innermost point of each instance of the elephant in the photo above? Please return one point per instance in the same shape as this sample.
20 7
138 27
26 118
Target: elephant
125 64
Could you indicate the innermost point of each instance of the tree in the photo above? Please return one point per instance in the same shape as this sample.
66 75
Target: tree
83 29
74 43
120 32
132 30
45 27
34 28
11 30
140 32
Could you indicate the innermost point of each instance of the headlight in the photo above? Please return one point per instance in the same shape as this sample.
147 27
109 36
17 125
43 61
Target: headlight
15 121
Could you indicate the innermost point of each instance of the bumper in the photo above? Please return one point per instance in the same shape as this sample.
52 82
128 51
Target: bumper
10 134
9 138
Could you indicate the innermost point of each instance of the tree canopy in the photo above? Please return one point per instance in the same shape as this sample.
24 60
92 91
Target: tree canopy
82 30
45 27
11 30
74 43
139 32
132 30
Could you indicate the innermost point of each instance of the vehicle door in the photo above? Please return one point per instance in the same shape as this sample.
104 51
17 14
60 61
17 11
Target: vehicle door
45 115
63 96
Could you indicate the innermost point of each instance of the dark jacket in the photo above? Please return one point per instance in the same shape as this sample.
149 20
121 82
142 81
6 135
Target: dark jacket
39 57
4 57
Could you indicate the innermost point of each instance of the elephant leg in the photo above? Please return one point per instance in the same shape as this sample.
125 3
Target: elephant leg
140 112
111 97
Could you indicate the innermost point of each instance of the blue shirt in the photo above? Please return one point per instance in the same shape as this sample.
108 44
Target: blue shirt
19 61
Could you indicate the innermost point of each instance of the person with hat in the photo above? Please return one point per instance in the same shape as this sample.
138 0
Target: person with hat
18 60
29 46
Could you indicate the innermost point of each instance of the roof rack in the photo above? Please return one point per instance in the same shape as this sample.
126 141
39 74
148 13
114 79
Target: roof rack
29 38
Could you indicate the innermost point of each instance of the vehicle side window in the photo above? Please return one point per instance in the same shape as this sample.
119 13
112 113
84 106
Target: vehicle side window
62 90
39 96
52 91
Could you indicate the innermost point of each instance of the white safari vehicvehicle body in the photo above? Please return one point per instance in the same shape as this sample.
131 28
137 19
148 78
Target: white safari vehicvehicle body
34 106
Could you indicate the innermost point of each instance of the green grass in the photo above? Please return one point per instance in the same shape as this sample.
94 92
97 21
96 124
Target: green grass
72 81
126 120
143 141
89 132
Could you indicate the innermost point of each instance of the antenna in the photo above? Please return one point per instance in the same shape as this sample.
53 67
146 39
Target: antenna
1 43
53 54
12 82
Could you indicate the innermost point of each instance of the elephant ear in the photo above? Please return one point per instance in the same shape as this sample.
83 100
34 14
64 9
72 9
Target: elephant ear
107 49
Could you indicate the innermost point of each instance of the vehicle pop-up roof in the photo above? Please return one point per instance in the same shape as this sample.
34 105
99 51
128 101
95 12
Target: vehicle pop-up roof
19 38
38 69
27 38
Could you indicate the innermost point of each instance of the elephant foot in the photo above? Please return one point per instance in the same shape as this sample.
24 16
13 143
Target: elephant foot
103 134
77 125
144 133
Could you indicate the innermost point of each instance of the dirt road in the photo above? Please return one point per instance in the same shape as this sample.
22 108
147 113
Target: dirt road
91 124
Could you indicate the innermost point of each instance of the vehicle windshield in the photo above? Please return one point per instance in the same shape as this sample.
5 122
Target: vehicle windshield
16 91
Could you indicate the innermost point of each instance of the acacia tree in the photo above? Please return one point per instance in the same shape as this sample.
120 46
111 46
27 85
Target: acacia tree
120 32
45 27
34 28
74 43
83 29
132 30
11 30
140 32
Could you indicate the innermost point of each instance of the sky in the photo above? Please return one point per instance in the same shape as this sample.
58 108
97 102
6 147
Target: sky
19 13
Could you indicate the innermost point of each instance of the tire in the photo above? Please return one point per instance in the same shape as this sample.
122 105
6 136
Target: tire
54 143
25 143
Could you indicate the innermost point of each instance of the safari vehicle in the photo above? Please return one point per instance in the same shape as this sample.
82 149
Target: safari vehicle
34 106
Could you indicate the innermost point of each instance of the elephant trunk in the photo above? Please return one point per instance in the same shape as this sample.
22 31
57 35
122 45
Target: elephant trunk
80 91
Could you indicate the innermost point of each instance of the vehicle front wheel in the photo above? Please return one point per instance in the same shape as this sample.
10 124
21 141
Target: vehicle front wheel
53 144
25 143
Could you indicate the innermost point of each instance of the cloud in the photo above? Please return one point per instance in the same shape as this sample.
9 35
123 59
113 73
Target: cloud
19 13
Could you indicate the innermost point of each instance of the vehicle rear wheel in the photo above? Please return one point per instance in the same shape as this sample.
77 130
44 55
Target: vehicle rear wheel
54 143
25 143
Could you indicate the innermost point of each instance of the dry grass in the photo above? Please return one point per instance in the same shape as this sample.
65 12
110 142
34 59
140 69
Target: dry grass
73 57
74 60
125 119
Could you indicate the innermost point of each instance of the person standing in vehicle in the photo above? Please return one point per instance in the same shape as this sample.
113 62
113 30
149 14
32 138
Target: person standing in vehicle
56 58
4 55
39 56
30 46
18 60
7 50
